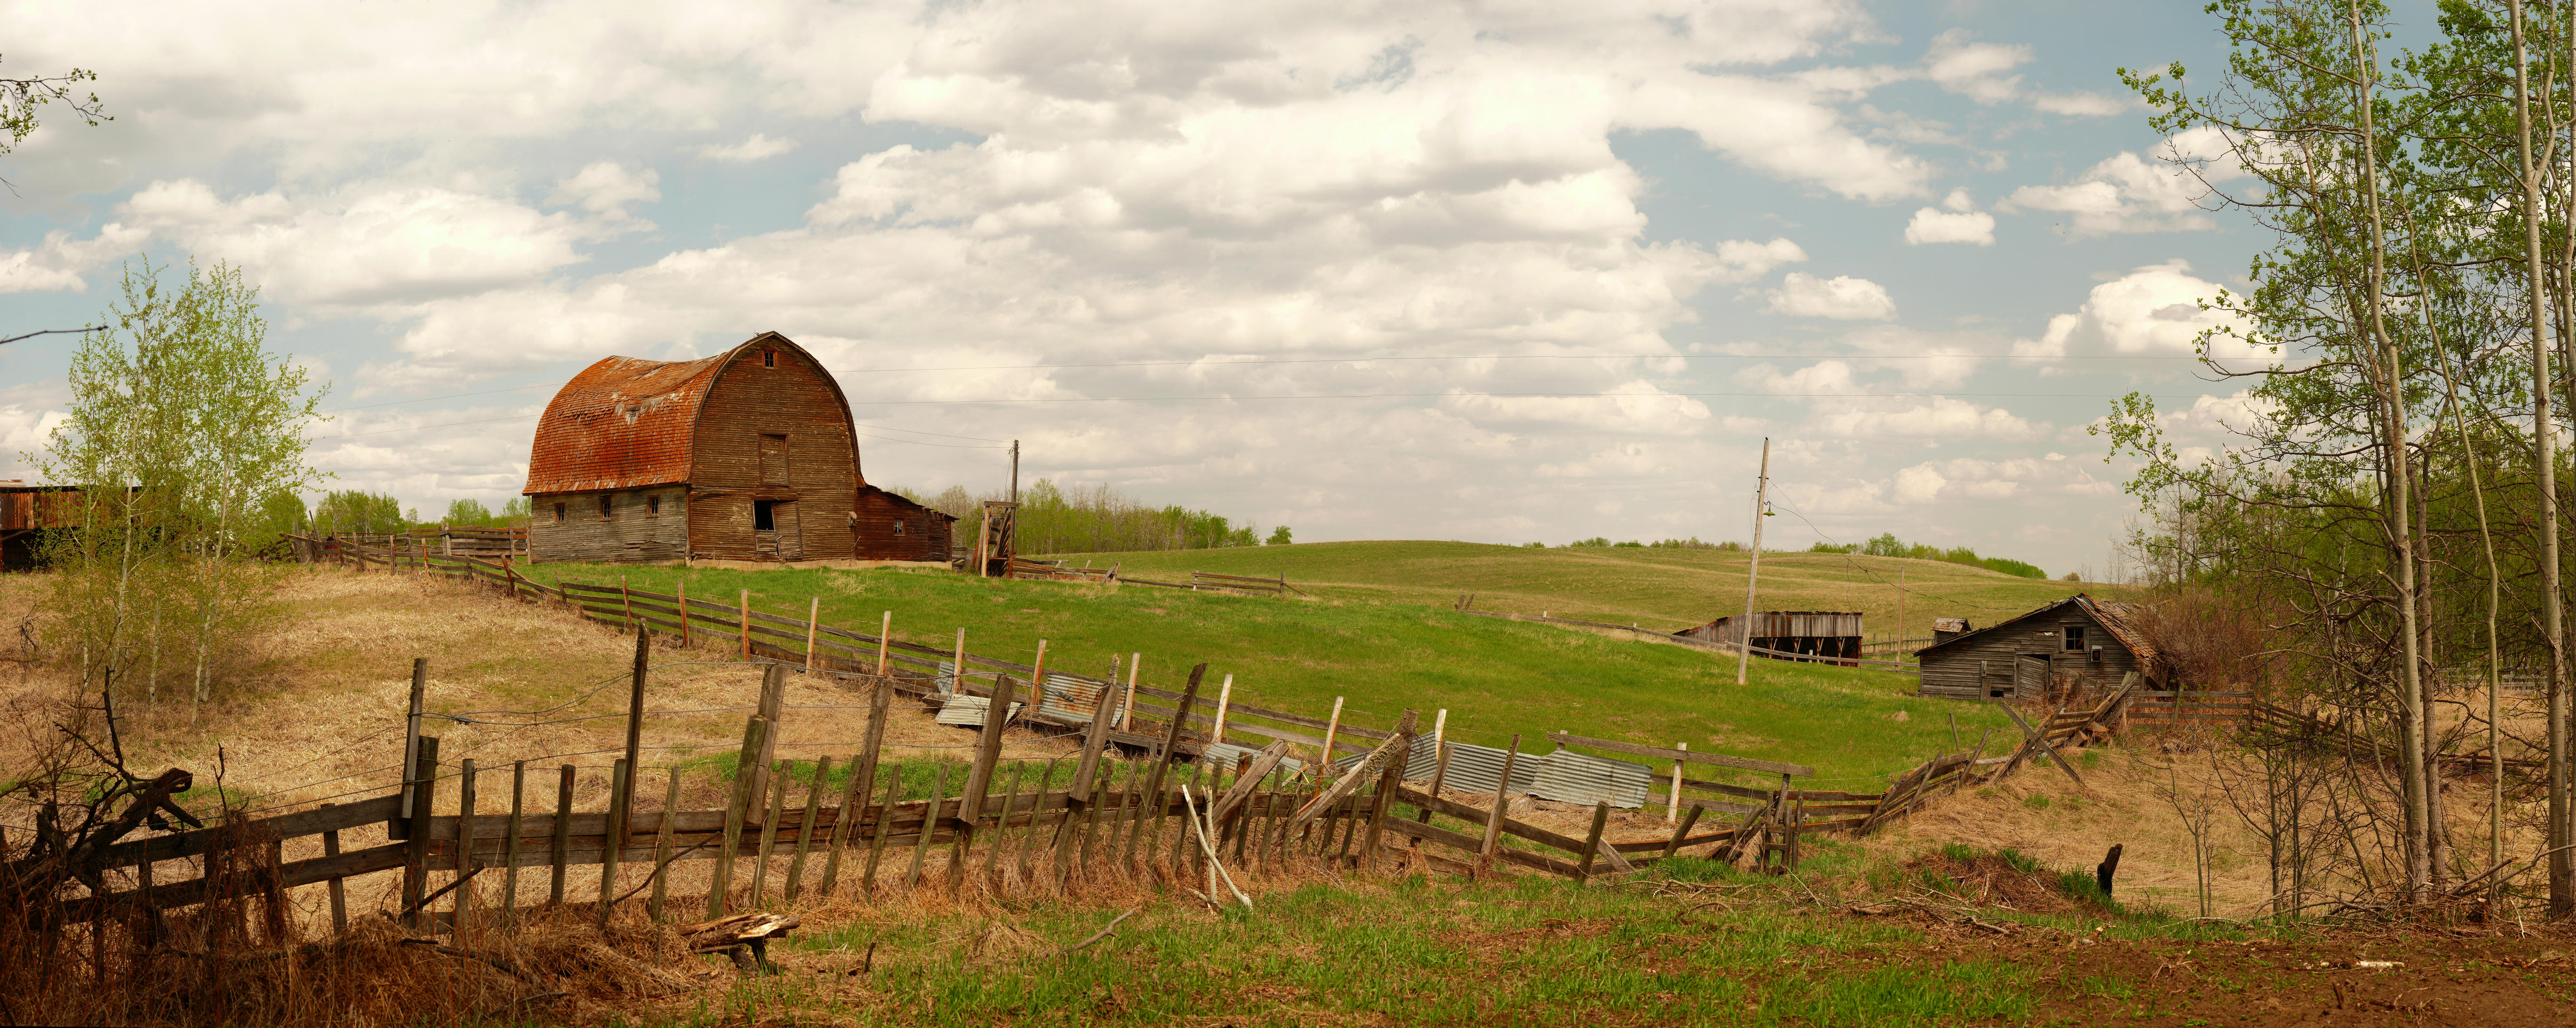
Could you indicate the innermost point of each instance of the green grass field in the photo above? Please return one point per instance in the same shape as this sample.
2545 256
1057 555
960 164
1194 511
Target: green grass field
1385 648
1655 588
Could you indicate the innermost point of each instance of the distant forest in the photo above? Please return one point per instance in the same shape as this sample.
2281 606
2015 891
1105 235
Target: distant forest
1099 519
1887 545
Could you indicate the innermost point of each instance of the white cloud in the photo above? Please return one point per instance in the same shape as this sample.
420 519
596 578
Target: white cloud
365 247
2129 193
2151 311
1972 478
1975 70
2083 105
757 148
1842 297
1741 260
606 188
1940 417
1957 220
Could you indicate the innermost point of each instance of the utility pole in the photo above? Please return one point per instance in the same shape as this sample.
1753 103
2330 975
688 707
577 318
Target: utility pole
1015 471
1899 655
1753 575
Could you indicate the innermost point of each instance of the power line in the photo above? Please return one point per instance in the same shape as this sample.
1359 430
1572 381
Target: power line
54 331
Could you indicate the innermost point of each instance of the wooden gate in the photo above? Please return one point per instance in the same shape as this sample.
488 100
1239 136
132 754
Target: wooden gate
2030 676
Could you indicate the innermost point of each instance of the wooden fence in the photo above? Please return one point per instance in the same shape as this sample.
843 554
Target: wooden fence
2166 708
1721 647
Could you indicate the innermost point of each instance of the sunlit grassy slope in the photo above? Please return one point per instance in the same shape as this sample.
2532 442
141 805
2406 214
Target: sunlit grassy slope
1384 638
1657 588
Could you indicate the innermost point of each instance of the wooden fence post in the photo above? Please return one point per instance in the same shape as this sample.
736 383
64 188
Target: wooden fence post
1037 808
424 793
754 735
1387 782
628 600
745 611
1127 706
805 827
885 641
621 804
957 682
784 773
1673 805
612 841
562 850
1079 796
662 847
339 895
411 736
1324 771
773 704
853 796
1494 817
1224 697
929 827
465 804
979 779
685 634
1002 823
1592 841
1682 831
510 844
863 777
813 626
877 835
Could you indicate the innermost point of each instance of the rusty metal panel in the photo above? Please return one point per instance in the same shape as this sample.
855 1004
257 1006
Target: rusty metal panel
622 423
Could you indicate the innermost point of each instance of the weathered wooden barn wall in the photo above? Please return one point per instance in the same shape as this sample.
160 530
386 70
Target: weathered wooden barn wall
893 528
636 526
2027 657
1821 633
774 429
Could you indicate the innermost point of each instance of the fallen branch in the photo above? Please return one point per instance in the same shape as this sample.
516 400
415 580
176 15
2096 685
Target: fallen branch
436 946
1103 933
425 901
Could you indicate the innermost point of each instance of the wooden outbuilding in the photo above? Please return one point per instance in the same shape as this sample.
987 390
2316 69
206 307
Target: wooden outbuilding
2071 647
747 455
1827 635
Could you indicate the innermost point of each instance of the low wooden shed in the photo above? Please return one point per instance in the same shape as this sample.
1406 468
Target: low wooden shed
1827 635
747 455
2073 646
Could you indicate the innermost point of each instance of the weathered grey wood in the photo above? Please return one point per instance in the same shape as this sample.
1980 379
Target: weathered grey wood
1465 843
737 806
804 834
2040 742
1247 782
662 847
1171 743
328 817
1682 831
1494 815
877 832
339 894
1083 774
769 832
289 875
1350 780
929 822
461 917
1002 824
510 845
619 781
1029 839
1592 841
842 820
424 791
623 805
979 775
1693 756
1389 780
562 849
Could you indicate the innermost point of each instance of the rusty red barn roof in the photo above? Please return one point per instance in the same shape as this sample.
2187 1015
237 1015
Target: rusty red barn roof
622 423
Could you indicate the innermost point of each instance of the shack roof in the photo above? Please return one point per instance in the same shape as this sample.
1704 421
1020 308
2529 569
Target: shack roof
626 422
2113 617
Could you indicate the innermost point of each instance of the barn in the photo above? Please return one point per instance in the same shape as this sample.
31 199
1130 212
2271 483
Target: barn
747 455
2072 647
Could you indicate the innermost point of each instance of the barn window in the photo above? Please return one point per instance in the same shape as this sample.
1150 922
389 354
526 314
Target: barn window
603 506
2074 637
898 526
559 513
764 515
768 358
652 505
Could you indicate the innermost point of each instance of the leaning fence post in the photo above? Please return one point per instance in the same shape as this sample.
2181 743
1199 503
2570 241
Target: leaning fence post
562 850
465 803
805 828
1592 840
510 845
929 827
979 778
863 777
877 833
1387 782
754 733
411 738
1494 817
784 774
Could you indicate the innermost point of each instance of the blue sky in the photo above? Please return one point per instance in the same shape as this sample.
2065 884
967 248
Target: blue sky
1917 246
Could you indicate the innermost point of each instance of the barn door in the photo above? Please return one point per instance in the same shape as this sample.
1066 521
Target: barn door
773 459
791 542
2030 676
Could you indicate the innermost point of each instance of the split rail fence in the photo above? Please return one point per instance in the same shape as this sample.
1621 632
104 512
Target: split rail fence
806 828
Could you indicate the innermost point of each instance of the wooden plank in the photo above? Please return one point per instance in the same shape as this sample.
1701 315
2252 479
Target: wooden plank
1494 812
1666 753
1349 781
805 837
662 850
2042 743
1464 843
1592 841
183 845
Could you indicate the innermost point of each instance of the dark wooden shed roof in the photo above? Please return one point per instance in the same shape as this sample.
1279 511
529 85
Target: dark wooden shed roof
626 422
2113 617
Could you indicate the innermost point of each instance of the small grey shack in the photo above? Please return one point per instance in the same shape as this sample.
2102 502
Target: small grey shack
2071 647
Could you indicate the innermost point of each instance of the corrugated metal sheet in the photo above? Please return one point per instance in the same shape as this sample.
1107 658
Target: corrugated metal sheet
1070 698
1569 777
1471 768
966 710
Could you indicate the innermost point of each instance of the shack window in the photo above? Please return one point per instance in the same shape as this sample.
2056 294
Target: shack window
768 358
764 515
603 505
2074 637
652 505
898 526
559 513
